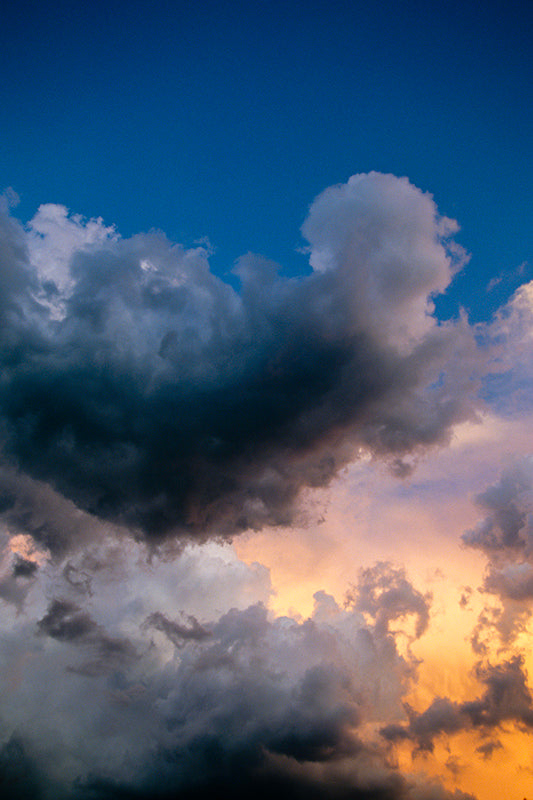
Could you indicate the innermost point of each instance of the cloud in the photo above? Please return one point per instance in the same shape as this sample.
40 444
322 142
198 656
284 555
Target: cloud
30 506
137 704
488 748
178 632
53 237
507 698
19 777
384 592
381 240
16 276
506 532
143 389
143 401
18 572
505 536
508 385
67 622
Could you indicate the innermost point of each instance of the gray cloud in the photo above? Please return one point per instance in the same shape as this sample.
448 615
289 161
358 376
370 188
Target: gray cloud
384 592
505 536
32 506
17 575
508 384
144 705
177 632
144 390
19 776
67 622
507 698
24 568
506 532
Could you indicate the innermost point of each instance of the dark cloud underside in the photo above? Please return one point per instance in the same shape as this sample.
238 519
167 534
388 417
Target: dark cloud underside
141 387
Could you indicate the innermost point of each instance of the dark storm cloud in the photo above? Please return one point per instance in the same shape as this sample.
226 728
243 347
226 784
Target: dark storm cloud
263 778
507 698
19 777
144 389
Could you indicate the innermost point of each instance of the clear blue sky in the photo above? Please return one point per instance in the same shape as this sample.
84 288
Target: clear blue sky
225 119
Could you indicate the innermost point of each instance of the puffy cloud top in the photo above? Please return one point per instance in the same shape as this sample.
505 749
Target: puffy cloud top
388 247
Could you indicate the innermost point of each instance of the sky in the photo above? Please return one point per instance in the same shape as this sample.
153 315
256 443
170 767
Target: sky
266 405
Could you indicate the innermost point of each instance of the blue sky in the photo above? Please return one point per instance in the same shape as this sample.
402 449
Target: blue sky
225 120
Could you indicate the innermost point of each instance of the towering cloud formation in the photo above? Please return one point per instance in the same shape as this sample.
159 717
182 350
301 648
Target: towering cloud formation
143 389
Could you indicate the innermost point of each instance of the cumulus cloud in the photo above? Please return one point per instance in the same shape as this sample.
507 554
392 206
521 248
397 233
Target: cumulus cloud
139 386
139 701
506 533
53 237
382 241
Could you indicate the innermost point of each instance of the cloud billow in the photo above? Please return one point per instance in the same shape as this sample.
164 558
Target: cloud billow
148 392
141 703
